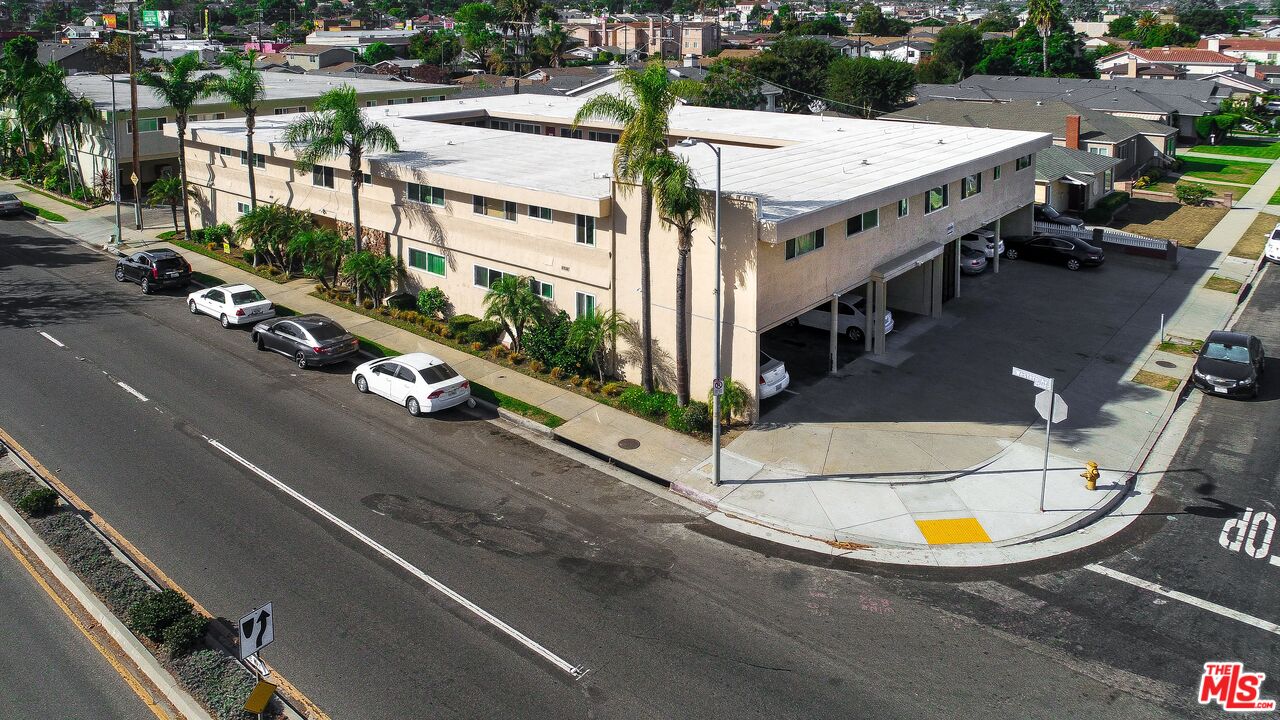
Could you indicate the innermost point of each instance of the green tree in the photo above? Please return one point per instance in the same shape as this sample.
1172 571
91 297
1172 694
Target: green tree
870 86
436 48
242 86
643 109
178 87
474 21
870 20
798 66
1044 14
18 69
681 203
726 86
1204 17
959 48
592 335
320 251
1122 27
377 52
337 127
999 18
512 302
823 25
51 111
270 228
1022 54
372 275
553 42
169 190
1084 10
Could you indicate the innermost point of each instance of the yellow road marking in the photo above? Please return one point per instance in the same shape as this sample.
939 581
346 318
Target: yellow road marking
133 682
952 531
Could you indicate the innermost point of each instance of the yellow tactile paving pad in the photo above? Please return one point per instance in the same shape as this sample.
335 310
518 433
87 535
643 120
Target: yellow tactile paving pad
952 531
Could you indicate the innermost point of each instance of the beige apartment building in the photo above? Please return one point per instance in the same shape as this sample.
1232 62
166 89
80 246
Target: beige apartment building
652 38
812 208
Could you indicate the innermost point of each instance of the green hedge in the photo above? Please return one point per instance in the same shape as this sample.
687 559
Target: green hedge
485 332
459 323
1104 209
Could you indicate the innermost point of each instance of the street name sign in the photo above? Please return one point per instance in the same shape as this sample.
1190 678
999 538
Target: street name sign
1039 381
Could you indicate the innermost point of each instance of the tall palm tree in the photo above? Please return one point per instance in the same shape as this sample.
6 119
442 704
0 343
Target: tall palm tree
519 16
512 302
554 41
1044 14
56 111
1146 22
371 274
179 87
597 333
643 109
339 127
18 67
680 204
169 190
242 86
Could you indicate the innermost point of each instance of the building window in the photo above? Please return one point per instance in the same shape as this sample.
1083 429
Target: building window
865 221
259 160
290 110
528 128
971 185
544 290
602 136
806 243
500 209
1099 151
242 207
936 199
486 277
322 176
432 98
430 262
585 305
426 194
371 103
226 152
586 230
995 173
499 125
145 125
539 212
904 207
399 101
1107 181
566 132
1022 163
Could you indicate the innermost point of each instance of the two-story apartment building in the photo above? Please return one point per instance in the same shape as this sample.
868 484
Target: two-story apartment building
812 208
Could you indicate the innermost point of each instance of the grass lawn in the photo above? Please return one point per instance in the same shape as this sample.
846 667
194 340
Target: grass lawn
1255 238
261 271
64 200
1223 170
1227 285
1189 349
1185 225
1157 381
206 279
1275 198
46 214
1218 190
1244 147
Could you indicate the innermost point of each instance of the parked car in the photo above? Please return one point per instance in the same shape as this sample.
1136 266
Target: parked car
420 382
850 322
1271 252
1047 213
311 340
773 376
154 269
1273 106
10 204
231 304
1074 253
972 262
1230 364
984 241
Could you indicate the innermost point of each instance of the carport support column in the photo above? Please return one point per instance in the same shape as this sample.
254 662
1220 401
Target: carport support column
835 330
936 269
996 259
867 336
877 325
959 258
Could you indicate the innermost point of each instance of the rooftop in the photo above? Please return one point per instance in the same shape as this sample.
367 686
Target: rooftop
1177 55
1055 163
1143 95
1033 115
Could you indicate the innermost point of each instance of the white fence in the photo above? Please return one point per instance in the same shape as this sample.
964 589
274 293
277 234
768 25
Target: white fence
1116 237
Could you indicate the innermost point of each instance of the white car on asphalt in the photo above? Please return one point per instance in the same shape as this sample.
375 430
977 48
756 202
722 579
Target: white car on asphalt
231 304
420 382
1272 251
773 376
851 321
984 241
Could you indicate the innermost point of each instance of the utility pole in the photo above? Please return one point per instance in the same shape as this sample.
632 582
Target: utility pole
133 122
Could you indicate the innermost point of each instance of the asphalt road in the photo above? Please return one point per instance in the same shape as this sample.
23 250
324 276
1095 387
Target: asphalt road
669 619
47 667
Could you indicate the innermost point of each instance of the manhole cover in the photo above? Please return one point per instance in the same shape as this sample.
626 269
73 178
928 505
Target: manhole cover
628 443
1166 363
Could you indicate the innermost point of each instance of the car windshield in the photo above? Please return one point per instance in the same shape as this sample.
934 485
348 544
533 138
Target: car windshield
1230 353
326 331
8 197
245 297
438 373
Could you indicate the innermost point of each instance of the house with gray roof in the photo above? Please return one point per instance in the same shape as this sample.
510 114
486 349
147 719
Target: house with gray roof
1072 181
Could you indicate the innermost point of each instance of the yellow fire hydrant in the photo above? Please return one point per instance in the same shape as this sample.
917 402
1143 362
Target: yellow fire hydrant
1091 475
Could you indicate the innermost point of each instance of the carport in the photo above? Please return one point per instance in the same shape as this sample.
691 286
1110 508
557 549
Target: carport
912 282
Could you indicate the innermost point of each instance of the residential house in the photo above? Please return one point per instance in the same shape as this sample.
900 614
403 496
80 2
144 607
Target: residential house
912 51
314 57
76 56
1250 49
1193 61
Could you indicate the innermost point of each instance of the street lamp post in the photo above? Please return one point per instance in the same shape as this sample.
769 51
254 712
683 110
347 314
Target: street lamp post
717 386
133 122
115 161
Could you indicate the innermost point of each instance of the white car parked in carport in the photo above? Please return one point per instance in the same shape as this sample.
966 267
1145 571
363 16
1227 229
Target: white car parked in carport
774 377
420 382
231 304
852 319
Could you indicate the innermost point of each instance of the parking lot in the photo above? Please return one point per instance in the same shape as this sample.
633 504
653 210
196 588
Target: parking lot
956 368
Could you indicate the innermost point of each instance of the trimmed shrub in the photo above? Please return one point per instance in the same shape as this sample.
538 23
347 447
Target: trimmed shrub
695 417
486 332
459 323
1191 193
38 502
536 366
367 304
551 342
184 634
432 302
556 373
613 389
217 680
652 405
150 616
476 346
1102 211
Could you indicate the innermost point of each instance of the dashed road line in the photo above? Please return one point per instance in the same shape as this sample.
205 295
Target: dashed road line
52 339
1212 607
131 391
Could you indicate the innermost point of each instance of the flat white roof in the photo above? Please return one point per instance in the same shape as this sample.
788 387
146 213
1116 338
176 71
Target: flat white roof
805 163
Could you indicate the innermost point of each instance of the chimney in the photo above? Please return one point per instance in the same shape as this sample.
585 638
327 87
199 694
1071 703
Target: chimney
1215 44
1073 132
1133 67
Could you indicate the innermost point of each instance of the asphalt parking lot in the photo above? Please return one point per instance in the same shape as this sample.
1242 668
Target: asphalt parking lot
956 368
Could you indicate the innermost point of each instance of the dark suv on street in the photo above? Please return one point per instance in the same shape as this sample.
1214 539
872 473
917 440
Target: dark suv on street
311 340
154 269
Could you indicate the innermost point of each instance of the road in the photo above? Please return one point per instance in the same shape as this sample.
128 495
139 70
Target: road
668 618
48 668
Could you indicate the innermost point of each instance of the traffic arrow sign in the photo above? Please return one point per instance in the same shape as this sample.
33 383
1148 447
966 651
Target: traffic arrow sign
257 630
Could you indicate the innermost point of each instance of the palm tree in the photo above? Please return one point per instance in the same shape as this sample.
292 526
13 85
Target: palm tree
372 274
554 41
56 111
339 127
1044 14
242 86
320 250
178 87
519 16
643 110
597 333
17 69
169 190
512 302
680 204
271 227
1146 22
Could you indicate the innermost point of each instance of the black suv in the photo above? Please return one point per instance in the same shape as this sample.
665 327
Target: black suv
154 269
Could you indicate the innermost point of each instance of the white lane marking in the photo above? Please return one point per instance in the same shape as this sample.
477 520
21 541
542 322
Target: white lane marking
52 339
559 662
1189 599
131 391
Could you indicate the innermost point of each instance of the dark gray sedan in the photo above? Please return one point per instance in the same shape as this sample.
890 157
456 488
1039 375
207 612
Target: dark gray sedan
10 204
311 340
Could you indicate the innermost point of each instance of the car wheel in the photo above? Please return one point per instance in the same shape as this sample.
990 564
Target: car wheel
191 305
854 334
1011 253
1073 264
146 286
224 321
361 384
119 274
257 340
412 406
301 360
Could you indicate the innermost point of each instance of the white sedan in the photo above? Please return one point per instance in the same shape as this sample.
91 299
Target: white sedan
1272 250
420 382
231 304
850 322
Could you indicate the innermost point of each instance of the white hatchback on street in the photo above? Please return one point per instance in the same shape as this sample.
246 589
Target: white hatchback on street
420 382
231 304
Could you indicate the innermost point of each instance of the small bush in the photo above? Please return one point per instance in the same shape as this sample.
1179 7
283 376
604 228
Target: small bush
556 373
516 358
695 417
575 380
733 401
613 389
150 616
382 310
497 352
486 332
395 313
410 316
652 405
536 366
476 346
459 323
320 288
590 385
432 302
367 304
184 634
1191 193
446 333
38 502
